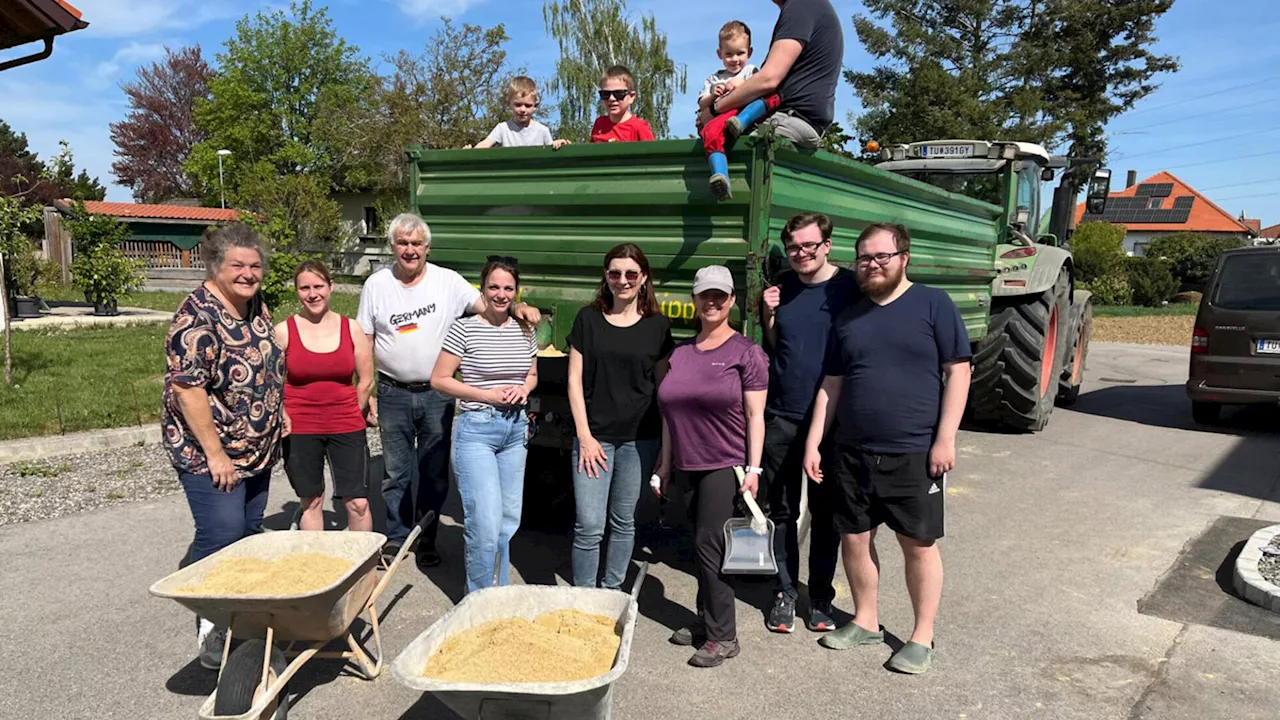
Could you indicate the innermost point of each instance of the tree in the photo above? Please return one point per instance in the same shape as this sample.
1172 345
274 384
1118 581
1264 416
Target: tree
592 36
450 95
275 76
14 244
1192 256
155 139
99 267
25 176
1046 71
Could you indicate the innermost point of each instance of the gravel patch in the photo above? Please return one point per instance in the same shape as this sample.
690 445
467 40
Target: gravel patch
1151 330
69 484
1269 565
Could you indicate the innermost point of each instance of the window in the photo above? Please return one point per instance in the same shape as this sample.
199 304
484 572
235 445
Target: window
1249 282
370 221
1154 203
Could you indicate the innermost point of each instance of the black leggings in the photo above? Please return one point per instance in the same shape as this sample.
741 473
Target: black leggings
713 497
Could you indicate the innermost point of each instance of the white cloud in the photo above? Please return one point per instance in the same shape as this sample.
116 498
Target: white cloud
428 10
136 18
128 56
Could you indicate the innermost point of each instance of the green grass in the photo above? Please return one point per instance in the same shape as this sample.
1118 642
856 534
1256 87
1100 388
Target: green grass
94 374
1179 310
344 303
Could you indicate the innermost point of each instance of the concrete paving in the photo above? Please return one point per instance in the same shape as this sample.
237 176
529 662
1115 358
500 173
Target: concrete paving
1053 540
77 315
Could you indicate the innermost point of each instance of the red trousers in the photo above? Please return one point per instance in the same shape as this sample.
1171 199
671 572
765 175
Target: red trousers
713 132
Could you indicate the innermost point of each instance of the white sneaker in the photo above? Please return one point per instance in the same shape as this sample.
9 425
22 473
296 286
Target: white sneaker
210 641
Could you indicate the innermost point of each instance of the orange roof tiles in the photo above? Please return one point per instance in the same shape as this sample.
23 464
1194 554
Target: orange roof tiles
1272 231
1205 216
161 212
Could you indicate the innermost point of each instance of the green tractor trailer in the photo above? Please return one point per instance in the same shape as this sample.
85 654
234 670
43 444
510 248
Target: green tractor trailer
560 212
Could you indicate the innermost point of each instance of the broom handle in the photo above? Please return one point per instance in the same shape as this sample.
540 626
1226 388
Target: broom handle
751 500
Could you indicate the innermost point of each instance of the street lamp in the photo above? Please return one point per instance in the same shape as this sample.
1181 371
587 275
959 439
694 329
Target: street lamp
221 193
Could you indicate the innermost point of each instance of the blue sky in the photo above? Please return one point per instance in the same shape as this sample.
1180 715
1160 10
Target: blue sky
1215 124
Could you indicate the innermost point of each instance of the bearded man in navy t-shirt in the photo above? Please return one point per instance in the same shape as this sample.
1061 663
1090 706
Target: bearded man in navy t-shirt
897 377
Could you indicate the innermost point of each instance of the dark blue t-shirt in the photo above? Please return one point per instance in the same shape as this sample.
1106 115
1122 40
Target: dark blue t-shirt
891 358
804 322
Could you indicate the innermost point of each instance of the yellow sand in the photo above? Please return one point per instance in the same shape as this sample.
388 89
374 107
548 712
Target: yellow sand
289 575
560 646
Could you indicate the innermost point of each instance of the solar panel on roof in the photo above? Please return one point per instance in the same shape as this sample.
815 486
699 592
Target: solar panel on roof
1154 190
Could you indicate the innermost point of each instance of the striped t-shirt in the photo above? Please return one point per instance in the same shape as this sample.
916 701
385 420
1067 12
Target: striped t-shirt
491 356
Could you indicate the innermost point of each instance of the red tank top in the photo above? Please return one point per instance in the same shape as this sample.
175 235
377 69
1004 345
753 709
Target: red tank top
319 393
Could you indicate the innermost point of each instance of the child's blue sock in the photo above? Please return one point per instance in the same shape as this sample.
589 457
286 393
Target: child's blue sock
719 163
753 113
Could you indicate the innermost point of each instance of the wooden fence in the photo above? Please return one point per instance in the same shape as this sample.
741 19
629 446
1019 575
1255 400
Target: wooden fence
162 254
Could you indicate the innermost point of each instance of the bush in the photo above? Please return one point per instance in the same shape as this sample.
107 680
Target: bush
1098 249
1151 280
1110 289
21 266
277 283
98 266
1192 256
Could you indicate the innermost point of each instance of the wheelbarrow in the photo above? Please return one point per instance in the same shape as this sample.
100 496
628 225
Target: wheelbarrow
252 679
590 699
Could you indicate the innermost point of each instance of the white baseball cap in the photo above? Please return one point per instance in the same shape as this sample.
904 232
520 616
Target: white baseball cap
713 277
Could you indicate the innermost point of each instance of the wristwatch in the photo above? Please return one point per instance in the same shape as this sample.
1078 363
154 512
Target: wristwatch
756 470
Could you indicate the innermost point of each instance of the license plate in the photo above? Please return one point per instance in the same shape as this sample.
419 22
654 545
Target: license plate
1269 347
946 151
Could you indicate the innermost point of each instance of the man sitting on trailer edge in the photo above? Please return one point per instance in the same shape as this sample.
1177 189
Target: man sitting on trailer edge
803 68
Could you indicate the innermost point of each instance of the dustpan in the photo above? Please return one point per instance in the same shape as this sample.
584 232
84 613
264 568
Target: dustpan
748 542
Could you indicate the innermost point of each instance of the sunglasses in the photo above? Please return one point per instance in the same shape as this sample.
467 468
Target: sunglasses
615 94
504 259
616 275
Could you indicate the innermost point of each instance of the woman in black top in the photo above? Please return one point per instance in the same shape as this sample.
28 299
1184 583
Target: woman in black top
615 348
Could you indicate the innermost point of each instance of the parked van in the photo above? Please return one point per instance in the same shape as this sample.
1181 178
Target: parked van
1235 347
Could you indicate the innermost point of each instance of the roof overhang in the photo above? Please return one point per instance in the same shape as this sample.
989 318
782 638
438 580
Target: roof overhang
28 21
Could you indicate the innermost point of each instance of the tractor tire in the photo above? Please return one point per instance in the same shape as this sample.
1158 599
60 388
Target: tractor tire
1073 369
1017 366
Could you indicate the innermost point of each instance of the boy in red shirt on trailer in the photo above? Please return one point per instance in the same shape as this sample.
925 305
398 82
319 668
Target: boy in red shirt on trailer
617 92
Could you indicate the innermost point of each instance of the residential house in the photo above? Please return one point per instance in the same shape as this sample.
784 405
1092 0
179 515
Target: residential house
1162 205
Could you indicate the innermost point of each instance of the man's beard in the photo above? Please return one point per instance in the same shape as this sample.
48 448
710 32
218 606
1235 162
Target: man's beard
881 285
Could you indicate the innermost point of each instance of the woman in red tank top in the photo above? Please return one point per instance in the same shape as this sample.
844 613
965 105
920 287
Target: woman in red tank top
323 352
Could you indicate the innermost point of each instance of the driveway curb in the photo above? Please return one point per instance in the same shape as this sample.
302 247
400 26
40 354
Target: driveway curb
39 448
1248 581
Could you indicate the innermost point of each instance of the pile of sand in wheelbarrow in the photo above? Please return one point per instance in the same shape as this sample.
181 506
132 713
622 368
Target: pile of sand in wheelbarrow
559 646
290 575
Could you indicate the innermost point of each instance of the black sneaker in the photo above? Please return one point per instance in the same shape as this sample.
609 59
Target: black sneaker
782 616
211 645
820 619
713 653
428 556
389 552
695 634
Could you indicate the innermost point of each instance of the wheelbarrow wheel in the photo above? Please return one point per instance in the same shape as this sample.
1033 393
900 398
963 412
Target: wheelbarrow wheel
241 681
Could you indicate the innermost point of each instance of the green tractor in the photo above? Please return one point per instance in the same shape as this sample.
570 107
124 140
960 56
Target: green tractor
1034 352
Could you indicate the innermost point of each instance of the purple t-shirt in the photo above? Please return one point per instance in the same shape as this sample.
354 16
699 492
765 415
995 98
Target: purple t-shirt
701 399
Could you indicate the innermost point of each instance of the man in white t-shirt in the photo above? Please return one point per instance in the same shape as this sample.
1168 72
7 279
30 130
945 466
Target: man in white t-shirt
407 310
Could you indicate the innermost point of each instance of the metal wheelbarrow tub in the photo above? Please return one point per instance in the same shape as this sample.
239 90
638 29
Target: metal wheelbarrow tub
590 699
310 619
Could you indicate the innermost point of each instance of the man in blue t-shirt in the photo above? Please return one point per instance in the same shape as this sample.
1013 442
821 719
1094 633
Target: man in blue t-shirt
798 317
897 377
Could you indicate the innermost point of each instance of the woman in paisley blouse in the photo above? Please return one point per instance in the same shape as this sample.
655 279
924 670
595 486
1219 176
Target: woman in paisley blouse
223 417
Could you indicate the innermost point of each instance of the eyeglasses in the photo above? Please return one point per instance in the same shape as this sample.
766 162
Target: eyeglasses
880 259
805 248
616 275
615 94
504 259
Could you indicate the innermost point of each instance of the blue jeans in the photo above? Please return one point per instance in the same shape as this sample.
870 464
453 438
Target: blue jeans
223 517
415 449
489 449
614 494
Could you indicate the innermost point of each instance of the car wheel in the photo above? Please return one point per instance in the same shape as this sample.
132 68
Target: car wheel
1206 413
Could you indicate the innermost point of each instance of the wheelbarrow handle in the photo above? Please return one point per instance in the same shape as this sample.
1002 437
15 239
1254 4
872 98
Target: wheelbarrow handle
400 556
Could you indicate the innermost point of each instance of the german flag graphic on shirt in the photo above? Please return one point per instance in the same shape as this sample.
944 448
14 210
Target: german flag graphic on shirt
407 328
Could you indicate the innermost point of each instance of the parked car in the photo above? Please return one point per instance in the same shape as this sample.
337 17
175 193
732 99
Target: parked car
1235 347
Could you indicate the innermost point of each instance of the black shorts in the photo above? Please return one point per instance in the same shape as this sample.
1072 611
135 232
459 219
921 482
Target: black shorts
894 490
348 455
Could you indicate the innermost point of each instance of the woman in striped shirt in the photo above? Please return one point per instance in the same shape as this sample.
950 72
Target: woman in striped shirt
495 353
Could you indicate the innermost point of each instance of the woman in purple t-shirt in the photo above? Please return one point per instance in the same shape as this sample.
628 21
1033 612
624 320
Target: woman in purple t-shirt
712 402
